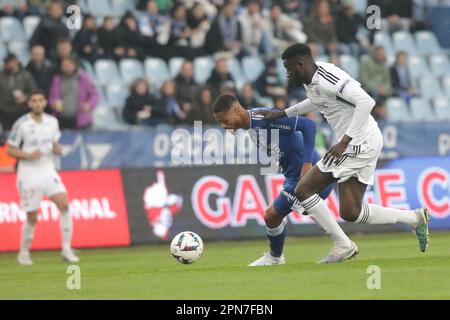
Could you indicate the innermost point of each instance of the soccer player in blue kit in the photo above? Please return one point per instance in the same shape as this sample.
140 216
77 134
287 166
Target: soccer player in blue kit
296 154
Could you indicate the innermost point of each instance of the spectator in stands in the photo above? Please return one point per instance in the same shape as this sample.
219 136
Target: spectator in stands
282 29
220 76
280 101
226 32
50 29
334 59
73 96
347 24
180 33
187 89
379 111
374 75
16 84
40 68
320 26
130 37
269 83
15 8
199 25
141 106
7 163
85 41
396 14
247 97
108 40
64 49
401 79
201 109
177 113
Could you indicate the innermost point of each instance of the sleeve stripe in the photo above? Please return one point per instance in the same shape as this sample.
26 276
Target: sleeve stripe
329 74
327 78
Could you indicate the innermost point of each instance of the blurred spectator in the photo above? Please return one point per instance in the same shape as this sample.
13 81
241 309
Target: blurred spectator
85 41
40 68
269 83
379 111
220 76
73 96
280 102
334 59
130 38
187 89
226 32
141 106
396 14
7 163
320 26
199 24
50 29
374 75
207 6
16 8
401 78
177 113
180 33
108 40
15 86
64 49
247 97
282 29
201 109
347 24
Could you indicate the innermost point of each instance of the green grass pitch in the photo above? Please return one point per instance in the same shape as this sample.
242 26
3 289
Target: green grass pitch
150 272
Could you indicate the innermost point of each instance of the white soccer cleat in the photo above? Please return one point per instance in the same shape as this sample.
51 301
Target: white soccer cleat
69 256
268 260
24 259
339 254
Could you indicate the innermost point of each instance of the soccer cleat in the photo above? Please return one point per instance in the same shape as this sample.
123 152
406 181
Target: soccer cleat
69 256
420 229
338 254
24 259
268 260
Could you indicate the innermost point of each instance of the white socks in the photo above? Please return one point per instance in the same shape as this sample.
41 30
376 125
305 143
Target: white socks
66 230
320 213
27 236
374 214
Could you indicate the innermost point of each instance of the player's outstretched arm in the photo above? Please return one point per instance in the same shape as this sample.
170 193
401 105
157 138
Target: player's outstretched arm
300 108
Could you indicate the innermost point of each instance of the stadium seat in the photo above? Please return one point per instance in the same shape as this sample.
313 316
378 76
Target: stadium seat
350 65
417 66
203 66
157 71
429 87
116 94
107 72
441 106
282 73
403 41
29 25
11 29
323 58
252 66
440 65
360 7
104 118
236 71
427 43
421 110
384 40
397 110
446 85
175 65
100 8
131 69
20 49
3 52
119 7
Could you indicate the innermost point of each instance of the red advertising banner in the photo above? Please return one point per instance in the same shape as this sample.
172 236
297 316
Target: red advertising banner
97 205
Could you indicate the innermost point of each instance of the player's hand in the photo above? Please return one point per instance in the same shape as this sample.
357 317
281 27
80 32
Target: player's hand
33 155
271 114
334 154
57 149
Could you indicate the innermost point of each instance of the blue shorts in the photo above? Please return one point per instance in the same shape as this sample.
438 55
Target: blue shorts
285 200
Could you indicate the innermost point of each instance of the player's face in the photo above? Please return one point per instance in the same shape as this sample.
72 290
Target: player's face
230 119
296 72
37 103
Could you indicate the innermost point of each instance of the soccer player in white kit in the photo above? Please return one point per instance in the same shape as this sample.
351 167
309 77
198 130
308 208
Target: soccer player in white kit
34 142
352 160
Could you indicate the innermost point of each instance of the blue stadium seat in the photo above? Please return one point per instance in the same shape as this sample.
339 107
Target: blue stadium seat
104 118
107 72
20 49
236 71
252 66
360 6
441 106
384 40
440 65
116 95
323 58
100 8
131 69
3 52
417 66
282 73
427 43
157 71
421 110
403 41
350 65
397 110
429 87
11 29
175 64
446 85
203 66
119 7
29 25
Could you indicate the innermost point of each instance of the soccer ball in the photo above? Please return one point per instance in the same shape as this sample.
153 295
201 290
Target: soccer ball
186 247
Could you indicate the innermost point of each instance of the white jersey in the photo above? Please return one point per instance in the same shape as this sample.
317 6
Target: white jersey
29 136
334 93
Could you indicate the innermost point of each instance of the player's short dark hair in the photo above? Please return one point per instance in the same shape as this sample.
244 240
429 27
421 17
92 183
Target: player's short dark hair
35 92
297 49
223 103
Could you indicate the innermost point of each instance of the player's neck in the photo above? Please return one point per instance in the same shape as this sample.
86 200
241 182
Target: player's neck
313 72
246 121
36 117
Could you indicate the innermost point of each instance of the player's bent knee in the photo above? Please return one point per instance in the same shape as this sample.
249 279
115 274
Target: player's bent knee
272 219
302 192
349 214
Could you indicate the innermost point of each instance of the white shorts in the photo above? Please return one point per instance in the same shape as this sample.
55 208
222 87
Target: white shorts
358 161
33 187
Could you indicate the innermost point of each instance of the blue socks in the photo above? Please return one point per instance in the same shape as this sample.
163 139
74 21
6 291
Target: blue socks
276 238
